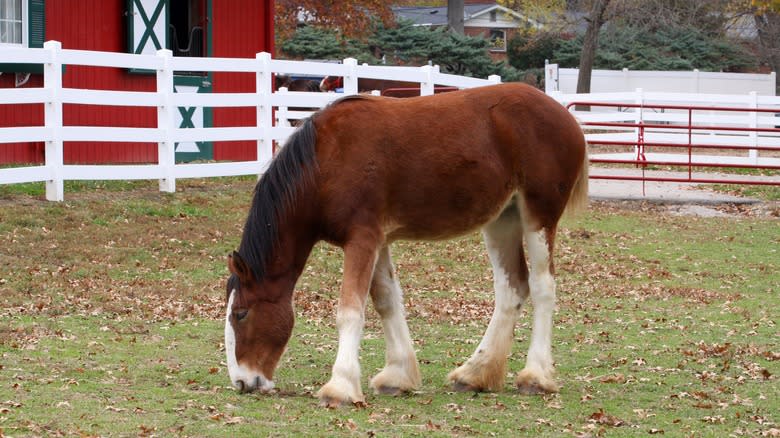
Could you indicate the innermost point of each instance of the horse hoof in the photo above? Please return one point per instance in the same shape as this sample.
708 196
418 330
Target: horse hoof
536 387
459 386
530 389
331 403
336 403
389 390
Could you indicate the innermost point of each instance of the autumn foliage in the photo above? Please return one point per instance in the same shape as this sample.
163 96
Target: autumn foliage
351 17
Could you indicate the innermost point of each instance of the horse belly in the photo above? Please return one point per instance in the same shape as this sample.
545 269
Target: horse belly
441 211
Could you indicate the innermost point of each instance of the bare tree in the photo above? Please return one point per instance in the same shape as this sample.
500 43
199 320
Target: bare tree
595 19
709 16
766 17
768 27
455 15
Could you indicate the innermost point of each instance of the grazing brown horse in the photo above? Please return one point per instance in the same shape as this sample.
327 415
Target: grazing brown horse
367 171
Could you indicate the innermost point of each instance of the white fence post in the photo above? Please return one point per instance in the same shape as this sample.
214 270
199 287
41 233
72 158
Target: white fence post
282 117
52 81
426 87
166 148
496 79
263 89
351 78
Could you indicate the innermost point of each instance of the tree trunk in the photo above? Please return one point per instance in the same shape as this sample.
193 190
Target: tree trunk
455 16
589 44
768 27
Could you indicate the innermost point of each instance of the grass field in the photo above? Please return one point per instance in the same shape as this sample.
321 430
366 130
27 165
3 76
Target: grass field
111 308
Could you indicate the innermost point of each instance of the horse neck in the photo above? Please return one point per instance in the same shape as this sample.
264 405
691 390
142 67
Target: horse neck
297 236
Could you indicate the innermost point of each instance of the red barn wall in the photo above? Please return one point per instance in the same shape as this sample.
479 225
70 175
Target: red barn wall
100 25
21 115
88 25
241 29
239 32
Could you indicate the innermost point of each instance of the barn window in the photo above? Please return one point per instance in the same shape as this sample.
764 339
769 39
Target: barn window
497 40
22 24
188 27
12 26
178 25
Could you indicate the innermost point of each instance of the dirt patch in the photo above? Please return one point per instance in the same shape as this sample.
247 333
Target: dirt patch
763 209
696 210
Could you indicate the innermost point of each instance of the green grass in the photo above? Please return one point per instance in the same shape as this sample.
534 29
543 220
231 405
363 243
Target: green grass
766 193
111 324
39 189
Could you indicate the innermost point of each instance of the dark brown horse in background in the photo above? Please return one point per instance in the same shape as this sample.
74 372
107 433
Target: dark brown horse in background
384 86
297 84
367 171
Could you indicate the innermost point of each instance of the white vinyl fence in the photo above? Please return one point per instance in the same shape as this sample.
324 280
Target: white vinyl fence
167 133
564 80
627 107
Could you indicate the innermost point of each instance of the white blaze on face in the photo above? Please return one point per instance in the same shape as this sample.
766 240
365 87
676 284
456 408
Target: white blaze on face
241 377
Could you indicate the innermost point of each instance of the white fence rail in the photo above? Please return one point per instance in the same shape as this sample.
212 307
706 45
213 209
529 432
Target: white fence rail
52 95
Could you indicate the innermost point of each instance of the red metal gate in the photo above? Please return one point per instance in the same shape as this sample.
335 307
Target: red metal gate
687 131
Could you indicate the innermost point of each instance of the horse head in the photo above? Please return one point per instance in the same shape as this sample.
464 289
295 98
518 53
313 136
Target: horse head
330 83
278 237
281 80
258 325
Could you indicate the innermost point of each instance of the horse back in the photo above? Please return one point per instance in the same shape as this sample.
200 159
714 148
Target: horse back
437 166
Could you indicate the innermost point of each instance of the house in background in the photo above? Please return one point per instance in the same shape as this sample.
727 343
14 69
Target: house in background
480 18
235 28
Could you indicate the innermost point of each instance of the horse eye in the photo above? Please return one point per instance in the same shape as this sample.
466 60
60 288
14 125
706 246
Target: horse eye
241 314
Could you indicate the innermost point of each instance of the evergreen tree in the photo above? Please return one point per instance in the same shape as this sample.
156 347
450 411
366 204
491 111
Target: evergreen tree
404 44
311 42
678 48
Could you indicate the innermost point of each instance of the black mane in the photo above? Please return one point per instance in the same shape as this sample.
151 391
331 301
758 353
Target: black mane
275 196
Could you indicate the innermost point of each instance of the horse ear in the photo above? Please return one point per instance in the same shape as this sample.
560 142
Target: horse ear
237 266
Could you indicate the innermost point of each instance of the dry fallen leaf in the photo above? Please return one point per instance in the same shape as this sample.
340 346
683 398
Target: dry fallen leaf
601 417
233 420
615 378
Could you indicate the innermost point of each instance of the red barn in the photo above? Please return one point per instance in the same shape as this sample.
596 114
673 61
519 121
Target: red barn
236 28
